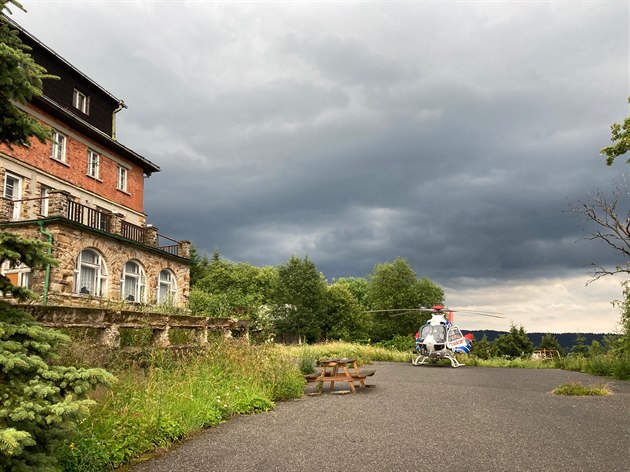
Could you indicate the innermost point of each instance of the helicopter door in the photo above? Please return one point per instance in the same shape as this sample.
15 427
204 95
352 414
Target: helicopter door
454 335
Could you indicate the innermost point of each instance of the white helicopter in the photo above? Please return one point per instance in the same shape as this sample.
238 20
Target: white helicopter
439 338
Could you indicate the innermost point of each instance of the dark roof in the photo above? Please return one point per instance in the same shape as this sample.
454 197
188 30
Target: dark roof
68 116
58 57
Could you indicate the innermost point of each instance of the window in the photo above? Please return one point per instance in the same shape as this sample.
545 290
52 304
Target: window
90 274
122 179
93 164
81 101
18 274
13 191
44 198
167 287
58 150
133 283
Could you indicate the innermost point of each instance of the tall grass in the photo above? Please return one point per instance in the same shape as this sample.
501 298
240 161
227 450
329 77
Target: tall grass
163 398
607 365
363 353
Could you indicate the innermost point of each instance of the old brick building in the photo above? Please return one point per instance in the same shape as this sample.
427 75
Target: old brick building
83 192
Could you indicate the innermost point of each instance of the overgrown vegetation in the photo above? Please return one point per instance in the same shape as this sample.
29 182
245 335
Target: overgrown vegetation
160 398
40 400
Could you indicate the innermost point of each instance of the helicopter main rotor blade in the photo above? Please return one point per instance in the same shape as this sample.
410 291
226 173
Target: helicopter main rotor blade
395 309
477 313
415 312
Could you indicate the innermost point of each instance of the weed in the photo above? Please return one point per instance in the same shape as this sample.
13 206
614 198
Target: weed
577 389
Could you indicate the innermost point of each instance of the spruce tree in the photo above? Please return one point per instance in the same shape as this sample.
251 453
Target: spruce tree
39 400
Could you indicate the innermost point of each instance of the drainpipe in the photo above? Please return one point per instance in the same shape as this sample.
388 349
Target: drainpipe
47 274
121 105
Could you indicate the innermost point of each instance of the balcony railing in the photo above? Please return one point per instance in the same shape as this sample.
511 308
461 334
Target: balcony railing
89 216
58 204
133 232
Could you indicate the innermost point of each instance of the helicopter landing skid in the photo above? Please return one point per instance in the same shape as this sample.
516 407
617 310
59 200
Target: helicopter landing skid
420 360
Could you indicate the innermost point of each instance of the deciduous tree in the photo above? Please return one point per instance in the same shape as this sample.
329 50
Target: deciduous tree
394 285
620 136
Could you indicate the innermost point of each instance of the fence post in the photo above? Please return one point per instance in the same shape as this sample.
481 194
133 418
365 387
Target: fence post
110 337
151 236
160 337
58 203
201 336
183 249
115 223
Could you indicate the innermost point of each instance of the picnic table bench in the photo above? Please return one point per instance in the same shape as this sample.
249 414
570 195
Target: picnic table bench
339 372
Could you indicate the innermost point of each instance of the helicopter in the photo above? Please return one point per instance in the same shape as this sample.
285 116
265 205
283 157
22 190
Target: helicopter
439 338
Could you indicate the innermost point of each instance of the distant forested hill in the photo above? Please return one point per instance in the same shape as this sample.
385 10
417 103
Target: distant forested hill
566 340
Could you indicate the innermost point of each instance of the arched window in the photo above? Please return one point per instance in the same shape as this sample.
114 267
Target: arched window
167 287
133 283
91 274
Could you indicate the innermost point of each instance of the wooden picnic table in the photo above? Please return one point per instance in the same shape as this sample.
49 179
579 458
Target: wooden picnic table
340 372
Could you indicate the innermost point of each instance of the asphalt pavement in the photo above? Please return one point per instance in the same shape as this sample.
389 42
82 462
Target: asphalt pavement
424 418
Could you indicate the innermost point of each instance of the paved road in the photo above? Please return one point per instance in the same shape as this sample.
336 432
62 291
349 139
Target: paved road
425 418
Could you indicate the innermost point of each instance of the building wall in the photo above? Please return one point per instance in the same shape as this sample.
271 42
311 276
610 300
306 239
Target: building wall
74 169
68 243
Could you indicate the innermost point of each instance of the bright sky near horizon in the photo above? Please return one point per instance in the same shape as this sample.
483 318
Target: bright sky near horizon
453 134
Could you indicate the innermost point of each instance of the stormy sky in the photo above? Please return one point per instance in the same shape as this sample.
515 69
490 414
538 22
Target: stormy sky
453 134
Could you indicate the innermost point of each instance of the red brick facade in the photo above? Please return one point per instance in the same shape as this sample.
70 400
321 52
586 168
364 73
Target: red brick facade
74 169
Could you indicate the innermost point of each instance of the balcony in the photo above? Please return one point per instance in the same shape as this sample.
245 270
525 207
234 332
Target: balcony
62 205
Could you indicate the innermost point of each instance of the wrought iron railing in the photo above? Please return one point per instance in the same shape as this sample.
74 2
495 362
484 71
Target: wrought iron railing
166 247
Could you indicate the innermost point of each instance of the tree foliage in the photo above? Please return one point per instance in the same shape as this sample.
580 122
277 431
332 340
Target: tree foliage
345 319
484 349
620 136
299 299
514 344
230 289
39 401
394 285
20 81
549 341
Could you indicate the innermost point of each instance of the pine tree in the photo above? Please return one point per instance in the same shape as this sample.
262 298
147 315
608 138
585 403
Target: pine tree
39 401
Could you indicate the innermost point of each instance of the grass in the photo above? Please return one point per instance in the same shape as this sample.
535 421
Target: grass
605 365
577 389
308 354
162 398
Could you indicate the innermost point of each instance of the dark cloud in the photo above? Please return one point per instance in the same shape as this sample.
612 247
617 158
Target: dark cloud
454 135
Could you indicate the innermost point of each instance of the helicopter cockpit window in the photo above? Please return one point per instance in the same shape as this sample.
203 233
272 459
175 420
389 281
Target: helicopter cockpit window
454 334
439 333
425 331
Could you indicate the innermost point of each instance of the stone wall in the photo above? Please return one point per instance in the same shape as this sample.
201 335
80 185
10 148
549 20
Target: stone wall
69 241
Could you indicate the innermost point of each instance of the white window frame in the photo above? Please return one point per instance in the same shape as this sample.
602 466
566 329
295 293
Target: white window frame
58 146
16 195
25 277
81 101
93 164
121 182
99 279
167 288
44 195
133 284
